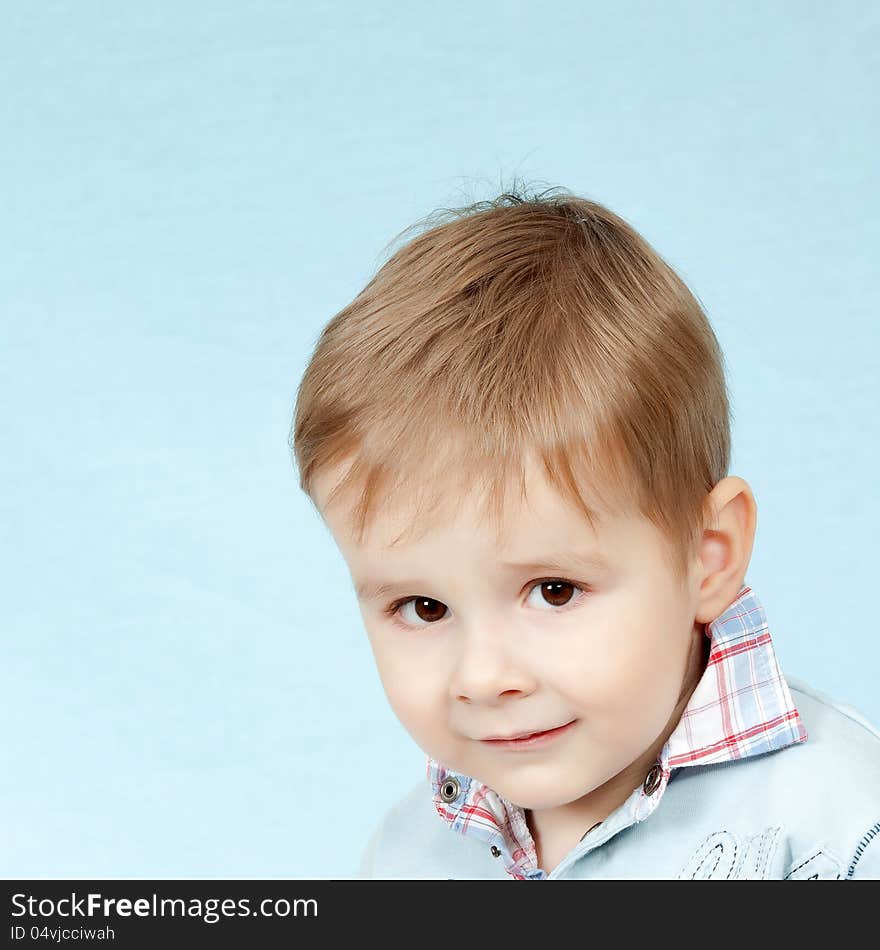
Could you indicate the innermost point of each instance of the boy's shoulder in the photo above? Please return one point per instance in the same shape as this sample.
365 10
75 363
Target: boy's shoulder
839 735
816 697
837 765
823 794
842 751
411 841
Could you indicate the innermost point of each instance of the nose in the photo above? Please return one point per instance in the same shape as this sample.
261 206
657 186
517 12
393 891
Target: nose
487 667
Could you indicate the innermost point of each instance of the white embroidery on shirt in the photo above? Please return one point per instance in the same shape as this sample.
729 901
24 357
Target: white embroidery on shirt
723 855
818 866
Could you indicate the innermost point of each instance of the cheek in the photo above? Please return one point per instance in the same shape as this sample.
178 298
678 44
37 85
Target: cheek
625 679
417 708
411 690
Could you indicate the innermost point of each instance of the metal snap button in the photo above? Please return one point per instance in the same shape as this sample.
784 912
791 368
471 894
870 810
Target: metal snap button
653 779
450 789
495 851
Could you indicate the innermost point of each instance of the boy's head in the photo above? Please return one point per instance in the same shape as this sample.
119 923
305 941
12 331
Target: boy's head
518 436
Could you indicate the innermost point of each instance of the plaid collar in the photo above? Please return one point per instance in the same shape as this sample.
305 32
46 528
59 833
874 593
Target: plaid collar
741 707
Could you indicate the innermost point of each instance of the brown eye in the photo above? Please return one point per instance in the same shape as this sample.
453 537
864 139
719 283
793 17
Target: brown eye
557 593
429 610
426 609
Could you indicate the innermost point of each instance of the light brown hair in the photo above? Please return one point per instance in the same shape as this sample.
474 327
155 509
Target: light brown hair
540 326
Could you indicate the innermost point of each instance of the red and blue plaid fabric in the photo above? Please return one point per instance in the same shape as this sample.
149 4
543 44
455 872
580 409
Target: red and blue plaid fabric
741 707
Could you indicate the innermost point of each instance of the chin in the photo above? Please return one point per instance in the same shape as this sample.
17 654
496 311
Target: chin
542 795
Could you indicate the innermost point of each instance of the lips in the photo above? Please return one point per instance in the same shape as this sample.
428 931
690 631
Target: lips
525 735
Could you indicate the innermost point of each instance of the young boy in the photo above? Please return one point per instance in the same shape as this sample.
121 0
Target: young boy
518 436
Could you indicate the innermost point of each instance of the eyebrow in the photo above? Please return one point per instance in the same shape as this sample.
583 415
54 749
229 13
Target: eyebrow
370 590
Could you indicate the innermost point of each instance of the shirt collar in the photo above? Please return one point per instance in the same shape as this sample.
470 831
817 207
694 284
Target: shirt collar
741 707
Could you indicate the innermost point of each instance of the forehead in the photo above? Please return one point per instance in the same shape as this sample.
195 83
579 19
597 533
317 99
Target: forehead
539 517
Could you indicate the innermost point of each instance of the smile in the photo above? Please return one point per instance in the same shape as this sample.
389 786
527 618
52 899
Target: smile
530 741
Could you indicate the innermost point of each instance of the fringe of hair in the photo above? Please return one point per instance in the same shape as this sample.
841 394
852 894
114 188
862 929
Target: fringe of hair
539 328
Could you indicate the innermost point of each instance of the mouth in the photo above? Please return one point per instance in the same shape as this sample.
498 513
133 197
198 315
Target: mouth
529 739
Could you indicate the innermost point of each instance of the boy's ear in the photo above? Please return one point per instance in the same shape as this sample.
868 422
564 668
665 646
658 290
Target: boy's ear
726 548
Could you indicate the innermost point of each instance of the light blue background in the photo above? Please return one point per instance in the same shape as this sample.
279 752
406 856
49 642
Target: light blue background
188 192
